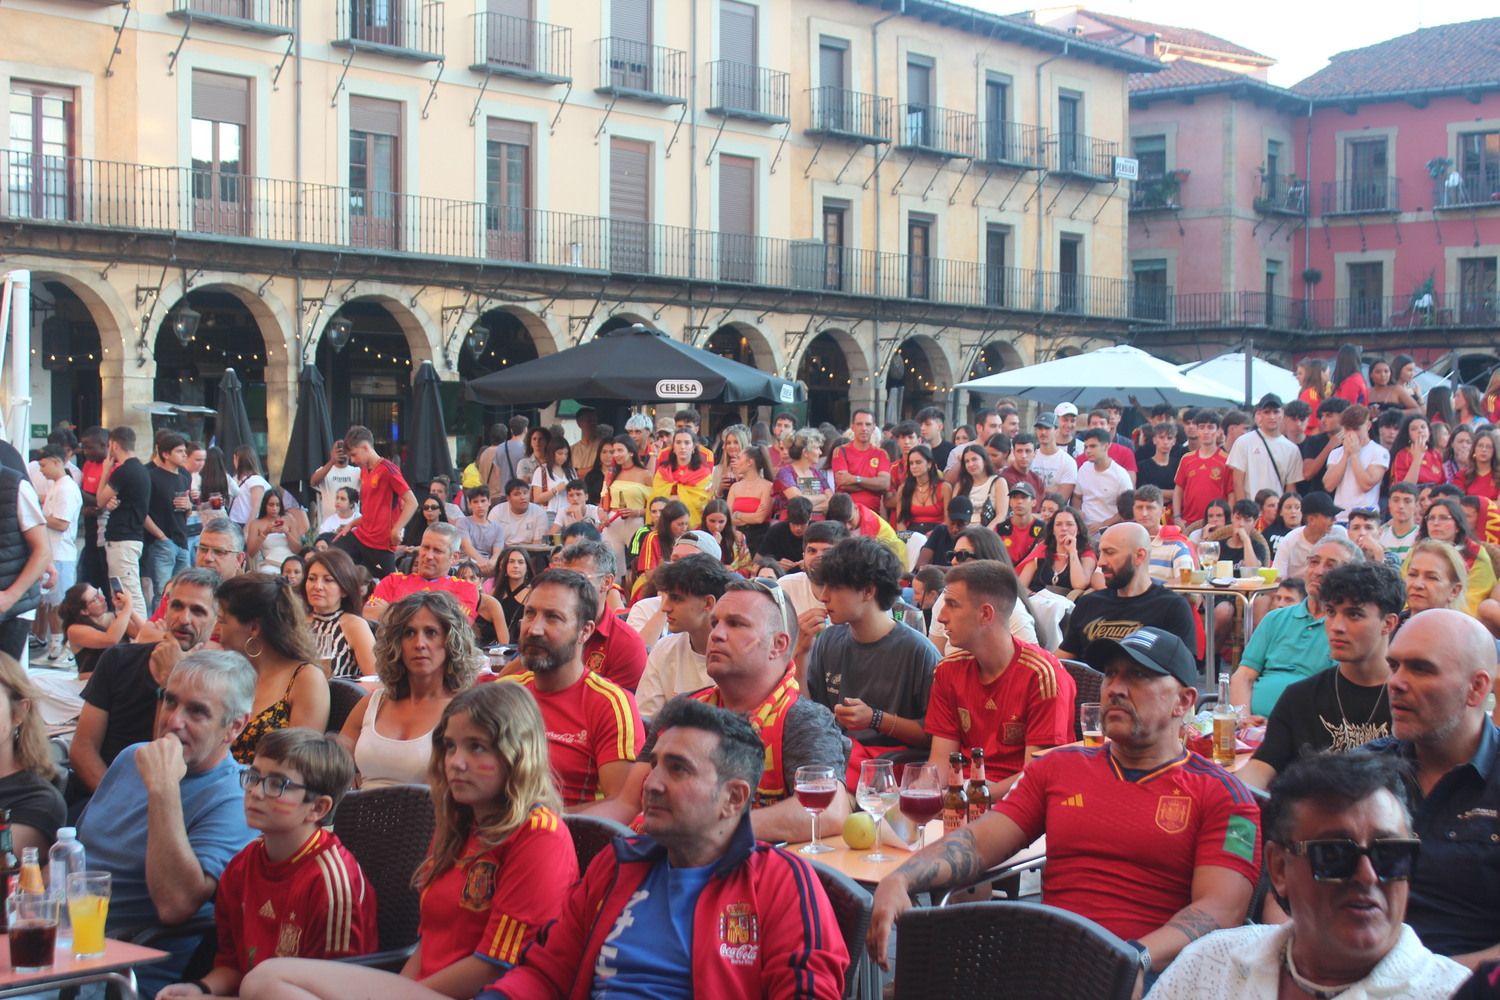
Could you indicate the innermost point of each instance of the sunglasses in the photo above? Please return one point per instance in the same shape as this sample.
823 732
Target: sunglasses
1393 859
771 589
964 556
431 506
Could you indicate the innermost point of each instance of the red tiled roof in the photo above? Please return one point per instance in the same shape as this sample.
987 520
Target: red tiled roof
1449 55
1183 73
1173 35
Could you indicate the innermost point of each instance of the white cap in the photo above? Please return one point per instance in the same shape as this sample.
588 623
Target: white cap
1065 410
67 833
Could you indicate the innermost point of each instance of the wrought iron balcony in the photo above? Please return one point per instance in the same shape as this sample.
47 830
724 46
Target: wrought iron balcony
521 48
1281 194
838 113
1474 191
263 17
628 68
1398 312
1080 155
1157 192
1012 144
1375 196
923 128
410 29
754 93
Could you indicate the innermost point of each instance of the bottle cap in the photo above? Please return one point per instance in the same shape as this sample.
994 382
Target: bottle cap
67 833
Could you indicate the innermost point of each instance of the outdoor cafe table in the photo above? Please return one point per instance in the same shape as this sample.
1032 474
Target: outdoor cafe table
1244 591
113 966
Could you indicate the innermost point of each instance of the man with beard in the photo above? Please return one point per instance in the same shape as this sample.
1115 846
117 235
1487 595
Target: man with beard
1150 840
594 731
1133 600
119 701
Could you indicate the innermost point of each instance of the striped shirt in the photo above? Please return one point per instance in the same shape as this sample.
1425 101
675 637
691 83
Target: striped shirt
333 645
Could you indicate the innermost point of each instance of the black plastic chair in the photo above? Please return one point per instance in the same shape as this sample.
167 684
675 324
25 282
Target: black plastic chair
1014 951
852 906
343 695
1089 683
389 831
592 834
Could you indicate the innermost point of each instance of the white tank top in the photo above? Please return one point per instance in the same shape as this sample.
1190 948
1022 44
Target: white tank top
384 761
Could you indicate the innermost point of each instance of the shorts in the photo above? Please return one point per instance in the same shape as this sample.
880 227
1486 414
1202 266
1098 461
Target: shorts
67 575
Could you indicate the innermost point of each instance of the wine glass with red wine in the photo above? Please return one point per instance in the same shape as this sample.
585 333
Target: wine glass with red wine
815 788
921 797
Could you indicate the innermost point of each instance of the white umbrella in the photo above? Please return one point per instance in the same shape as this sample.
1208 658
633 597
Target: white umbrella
1228 370
1118 371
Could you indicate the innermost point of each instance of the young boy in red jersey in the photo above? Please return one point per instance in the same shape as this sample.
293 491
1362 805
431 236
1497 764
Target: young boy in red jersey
296 891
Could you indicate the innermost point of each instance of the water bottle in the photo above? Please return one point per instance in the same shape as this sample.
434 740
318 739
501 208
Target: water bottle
65 857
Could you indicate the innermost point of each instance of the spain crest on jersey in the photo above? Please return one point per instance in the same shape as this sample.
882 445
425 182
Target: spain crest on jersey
1173 812
739 934
479 886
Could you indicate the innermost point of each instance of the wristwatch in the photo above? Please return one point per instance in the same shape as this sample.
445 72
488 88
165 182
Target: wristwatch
1143 956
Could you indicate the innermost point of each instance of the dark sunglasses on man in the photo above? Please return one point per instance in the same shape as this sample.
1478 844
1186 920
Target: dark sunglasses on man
1394 859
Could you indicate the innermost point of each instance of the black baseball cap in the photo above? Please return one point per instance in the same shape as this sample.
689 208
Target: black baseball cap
1025 489
960 508
1270 401
1318 502
1045 420
1154 649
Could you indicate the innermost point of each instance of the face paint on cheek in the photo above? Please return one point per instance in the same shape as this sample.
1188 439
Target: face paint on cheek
485 766
285 806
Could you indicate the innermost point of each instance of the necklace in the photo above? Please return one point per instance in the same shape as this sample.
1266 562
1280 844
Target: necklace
1340 699
1306 985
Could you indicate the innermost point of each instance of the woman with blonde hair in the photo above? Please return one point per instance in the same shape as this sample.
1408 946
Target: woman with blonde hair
1435 577
500 868
26 765
425 655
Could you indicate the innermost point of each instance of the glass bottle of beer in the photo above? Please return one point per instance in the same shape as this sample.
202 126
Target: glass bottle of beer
10 870
1225 718
955 802
979 786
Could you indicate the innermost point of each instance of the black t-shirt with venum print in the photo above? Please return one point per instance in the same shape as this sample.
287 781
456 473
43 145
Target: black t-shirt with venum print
1104 614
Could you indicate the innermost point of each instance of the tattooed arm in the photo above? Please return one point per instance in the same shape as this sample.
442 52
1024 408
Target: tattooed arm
957 858
1220 899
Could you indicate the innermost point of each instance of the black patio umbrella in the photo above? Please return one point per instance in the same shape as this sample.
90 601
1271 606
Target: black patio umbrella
427 451
636 364
312 434
232 426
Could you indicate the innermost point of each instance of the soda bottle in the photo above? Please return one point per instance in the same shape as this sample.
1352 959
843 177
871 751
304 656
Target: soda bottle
31 871
955 802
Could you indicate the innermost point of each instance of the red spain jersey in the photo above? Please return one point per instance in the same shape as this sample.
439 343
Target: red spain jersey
866 464
380 493
1029 704
592 723
496 900
315 904
1202 480
1122 847
394 586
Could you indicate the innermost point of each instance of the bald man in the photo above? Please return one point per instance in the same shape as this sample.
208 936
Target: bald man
1131 600
1442 669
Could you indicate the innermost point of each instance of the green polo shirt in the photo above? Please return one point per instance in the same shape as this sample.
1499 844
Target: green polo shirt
1288 645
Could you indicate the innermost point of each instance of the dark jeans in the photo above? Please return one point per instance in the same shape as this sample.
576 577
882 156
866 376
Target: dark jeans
378 561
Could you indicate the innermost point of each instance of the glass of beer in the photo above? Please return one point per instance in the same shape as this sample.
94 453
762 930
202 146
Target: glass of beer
1091 723
1208 555
88 906
815 788
921 797
33 931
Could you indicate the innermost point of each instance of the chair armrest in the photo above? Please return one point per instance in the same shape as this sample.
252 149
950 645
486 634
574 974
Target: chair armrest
1005 870
152 935
391 960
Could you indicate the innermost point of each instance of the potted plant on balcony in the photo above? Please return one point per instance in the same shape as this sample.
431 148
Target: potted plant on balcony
1311 275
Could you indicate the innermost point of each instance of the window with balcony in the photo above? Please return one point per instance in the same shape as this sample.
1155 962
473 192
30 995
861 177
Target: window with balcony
1069 267
736 72
1154 187
1478 167
737 256
507 190
1272 290
629 206
221 159
919 256
996 118
835 243
41 143
1366 186
1476 290
917 128
1149 289
1069 124
996 265
1366 293
374 173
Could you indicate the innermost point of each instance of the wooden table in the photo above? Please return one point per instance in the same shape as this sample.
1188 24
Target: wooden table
113 966
1244 591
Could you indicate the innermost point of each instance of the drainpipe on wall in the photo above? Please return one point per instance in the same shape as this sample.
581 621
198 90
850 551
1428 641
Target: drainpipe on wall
877 380
1307 173
297 178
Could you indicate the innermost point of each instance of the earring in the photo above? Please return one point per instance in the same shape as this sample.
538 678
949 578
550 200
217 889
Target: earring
258 648
15 735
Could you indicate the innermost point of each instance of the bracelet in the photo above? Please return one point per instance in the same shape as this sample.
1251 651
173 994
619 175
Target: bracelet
876 718
204 987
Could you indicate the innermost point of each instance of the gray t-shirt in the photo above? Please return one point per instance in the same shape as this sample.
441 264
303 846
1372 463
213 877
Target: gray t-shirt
893 674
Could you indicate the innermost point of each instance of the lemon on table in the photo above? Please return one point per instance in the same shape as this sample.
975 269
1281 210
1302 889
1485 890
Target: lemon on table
859 830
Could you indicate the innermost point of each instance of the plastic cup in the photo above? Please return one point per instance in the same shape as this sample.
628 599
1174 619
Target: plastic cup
33 931
88 908
1268 573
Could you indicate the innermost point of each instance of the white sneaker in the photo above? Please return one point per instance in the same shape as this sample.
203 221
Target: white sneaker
64 661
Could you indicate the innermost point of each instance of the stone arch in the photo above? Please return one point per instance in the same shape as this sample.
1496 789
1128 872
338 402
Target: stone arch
115 323
827 354
765 353
423 333
277 326
928 376
617 320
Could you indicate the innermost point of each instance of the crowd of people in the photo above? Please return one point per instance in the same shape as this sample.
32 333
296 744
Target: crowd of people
661 629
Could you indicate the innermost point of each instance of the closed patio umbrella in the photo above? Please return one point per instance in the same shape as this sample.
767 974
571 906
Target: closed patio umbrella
312 434
232 426
427 452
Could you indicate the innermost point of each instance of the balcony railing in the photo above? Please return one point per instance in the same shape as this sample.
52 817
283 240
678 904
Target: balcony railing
269 17
1281 194
628 68
522 48
406 29
1238 309
225 207
1459 191
1083 155
848 114
1375 196
742 90
923 128
1011 143
1157 192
